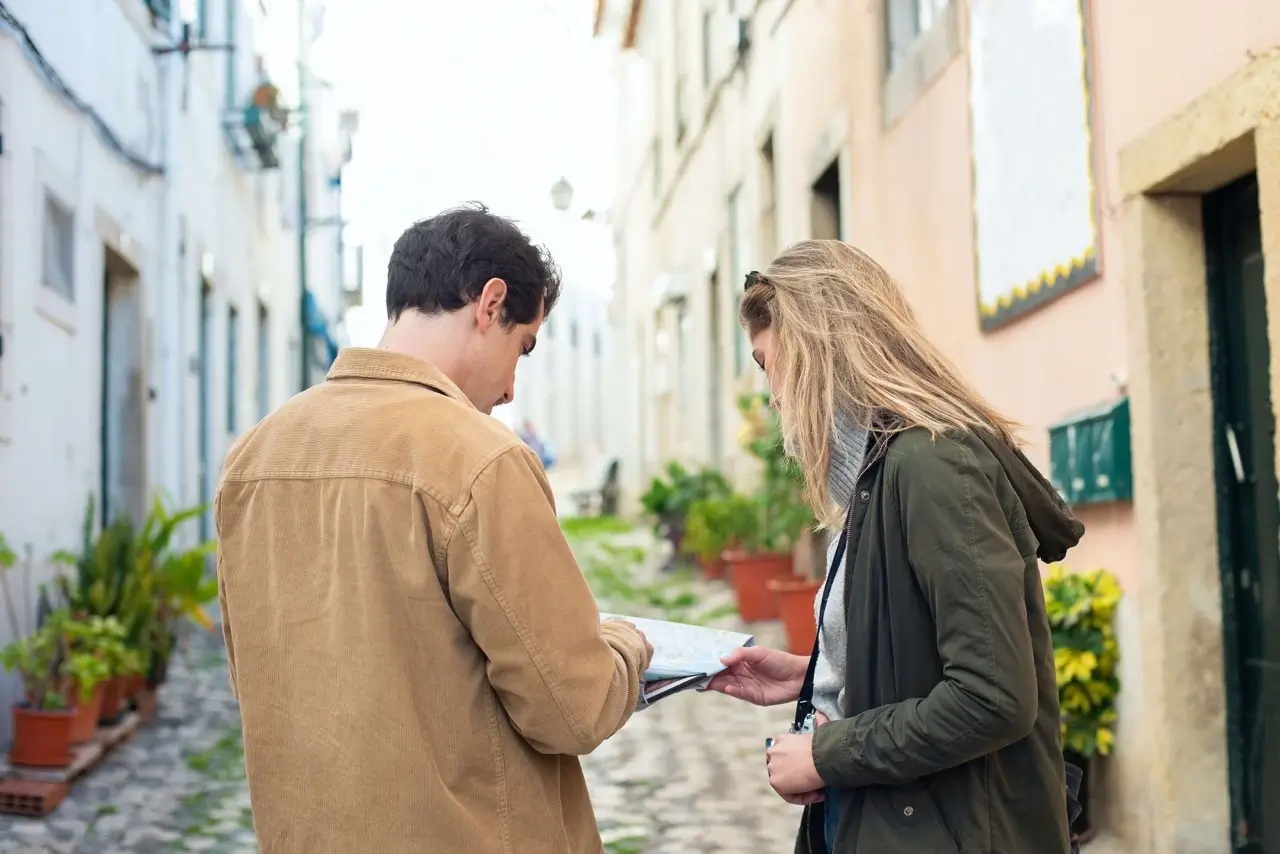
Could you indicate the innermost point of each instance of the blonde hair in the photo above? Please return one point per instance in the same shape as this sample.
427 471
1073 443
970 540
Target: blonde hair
846 339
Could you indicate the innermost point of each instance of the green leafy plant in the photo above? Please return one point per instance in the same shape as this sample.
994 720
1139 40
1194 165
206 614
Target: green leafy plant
1081 609
38 660
713 524
7 560
669 498
595 526
140 580
85 671
109 578
105 640
784 515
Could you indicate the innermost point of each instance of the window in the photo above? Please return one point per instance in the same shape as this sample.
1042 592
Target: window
684 344
768 201
708 69
678 51
656 163
598 420
906 21
739 258
825 220
59 248
264 361
233 367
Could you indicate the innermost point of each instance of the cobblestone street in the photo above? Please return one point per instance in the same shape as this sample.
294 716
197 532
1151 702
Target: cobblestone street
684 775
178 785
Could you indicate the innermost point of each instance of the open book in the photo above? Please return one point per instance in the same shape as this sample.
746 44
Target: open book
684 656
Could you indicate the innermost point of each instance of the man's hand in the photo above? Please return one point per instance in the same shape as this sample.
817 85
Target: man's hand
648 647
791 768
762 676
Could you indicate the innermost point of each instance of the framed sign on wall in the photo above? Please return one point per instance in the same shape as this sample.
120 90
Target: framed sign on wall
1034 197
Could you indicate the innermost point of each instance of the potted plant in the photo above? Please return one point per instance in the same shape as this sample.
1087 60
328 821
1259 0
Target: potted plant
795 596
137 578
761 567
91 665
42 721
1081 609
101 641
714 525
669 498
183 587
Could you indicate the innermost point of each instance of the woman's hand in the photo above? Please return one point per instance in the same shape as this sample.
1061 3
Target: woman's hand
791 769
763 676
817 796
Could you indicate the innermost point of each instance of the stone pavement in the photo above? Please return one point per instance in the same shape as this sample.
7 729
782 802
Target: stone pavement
686 774
178 785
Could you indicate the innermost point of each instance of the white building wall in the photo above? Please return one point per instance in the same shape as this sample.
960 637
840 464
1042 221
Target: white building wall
212 215
50 372
563 388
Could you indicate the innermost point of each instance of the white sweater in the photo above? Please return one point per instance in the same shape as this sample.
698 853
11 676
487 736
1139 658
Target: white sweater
848 449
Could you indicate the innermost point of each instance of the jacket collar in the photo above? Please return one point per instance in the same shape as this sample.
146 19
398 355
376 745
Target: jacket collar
363 363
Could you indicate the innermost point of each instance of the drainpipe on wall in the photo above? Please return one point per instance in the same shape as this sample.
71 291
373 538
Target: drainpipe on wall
232 99
171 285
304 348
341 278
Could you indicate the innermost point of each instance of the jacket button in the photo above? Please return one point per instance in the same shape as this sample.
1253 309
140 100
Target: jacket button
908 811
865 496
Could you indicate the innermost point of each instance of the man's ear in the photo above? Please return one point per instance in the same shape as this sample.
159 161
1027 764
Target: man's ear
489 305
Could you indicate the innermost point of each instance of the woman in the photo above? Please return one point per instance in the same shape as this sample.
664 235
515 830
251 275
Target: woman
934 704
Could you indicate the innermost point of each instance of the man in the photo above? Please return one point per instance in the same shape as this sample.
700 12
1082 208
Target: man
530 437
416 653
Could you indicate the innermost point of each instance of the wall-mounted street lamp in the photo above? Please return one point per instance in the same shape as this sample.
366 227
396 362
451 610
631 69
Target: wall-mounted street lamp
562 194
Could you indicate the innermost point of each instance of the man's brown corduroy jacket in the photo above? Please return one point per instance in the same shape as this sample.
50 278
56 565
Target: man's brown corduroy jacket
416 653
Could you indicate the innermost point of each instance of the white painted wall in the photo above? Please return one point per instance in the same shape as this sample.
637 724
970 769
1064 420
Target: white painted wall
212 215
564 388
51 367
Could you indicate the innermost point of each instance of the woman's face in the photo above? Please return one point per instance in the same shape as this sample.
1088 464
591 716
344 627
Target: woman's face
762 350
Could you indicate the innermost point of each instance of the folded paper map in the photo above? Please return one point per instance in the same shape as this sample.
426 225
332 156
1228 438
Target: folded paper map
684 656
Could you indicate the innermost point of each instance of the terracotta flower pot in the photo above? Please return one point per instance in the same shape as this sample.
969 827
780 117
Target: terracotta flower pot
750 575
133 686
795 604
113 699
85 725
41 739
712 570
147 703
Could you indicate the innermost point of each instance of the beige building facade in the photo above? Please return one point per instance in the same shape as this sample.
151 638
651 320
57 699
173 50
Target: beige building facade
1083 201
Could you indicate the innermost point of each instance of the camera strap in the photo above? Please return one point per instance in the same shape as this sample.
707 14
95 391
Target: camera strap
804 707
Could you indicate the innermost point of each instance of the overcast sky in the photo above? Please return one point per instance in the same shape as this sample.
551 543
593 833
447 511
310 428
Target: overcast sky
490 100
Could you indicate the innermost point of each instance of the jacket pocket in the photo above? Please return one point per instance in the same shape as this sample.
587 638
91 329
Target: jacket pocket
903 821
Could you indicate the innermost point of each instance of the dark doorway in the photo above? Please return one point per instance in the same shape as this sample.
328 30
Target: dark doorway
1248 510
825 216
715 416
206 406
123 407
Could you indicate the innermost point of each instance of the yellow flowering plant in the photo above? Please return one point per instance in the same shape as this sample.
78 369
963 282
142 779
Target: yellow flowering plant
1081 608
